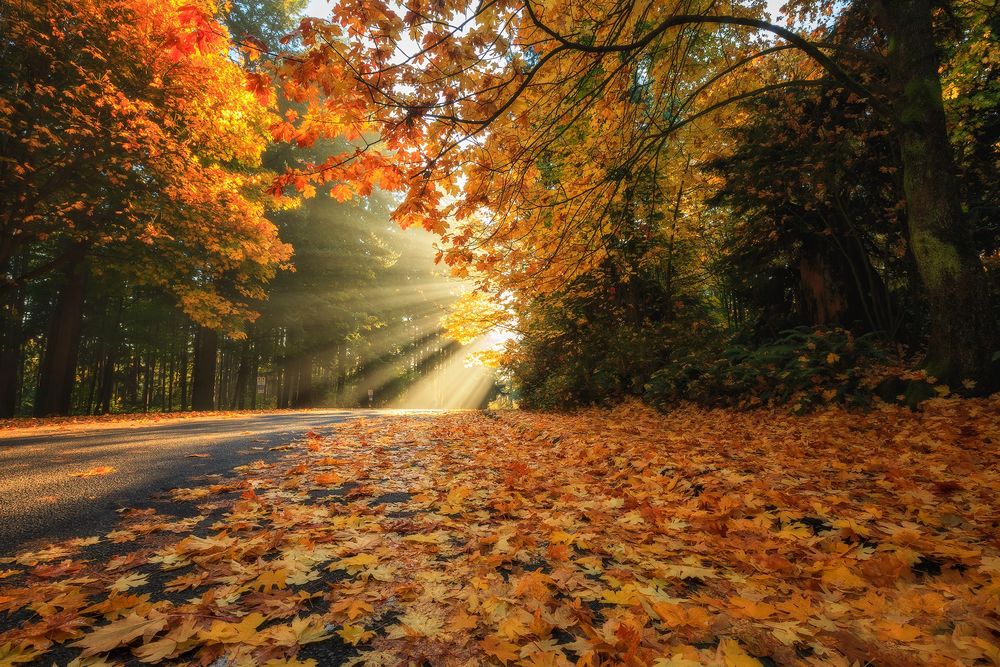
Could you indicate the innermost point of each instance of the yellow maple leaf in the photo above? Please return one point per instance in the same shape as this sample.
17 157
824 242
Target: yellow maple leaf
500 648
513 626
733 655
12 653
125 582
351 607
355 564
244 632
842 577
415 624
751 608
462 620
269 580
354 634
121 632
626 596
900 632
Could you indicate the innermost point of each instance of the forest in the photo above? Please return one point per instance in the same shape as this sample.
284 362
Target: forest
507 333
202 211
190 287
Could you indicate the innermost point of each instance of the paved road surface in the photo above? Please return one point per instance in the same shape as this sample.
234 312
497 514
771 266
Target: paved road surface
40 501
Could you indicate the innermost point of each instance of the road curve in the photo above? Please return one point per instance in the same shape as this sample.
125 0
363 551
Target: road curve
41 500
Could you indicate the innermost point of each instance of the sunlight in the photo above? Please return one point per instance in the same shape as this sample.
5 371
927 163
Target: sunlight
455 383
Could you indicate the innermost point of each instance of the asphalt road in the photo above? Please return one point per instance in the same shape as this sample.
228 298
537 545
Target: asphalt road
40 500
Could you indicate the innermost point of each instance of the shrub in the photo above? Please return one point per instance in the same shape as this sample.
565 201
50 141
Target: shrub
804 367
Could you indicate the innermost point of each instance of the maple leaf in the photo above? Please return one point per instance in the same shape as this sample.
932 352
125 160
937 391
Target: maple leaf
626 596
328 478
355 564
752 609
500 648
462 620
513 626
13 654
900 632
341 192
414 624
175 642
841 577
243 632
354 634
351 607
534 584
125 582
733 655
270 580
121 632
300 631
455 498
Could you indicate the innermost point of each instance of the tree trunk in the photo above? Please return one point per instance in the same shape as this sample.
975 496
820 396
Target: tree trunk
206 347
107 385
963 327
341 372
147 384
10 352
303 369
242 378
184 371
55 384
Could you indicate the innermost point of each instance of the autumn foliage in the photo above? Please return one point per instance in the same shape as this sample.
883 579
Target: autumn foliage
545 141
132 143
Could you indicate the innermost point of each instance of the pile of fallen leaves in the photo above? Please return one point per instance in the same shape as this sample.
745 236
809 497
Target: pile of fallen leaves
624 537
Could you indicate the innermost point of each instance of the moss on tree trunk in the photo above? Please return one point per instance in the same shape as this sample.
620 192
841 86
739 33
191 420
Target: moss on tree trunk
963 328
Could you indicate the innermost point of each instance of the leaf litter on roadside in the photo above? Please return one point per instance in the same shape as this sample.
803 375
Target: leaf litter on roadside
96 471
601 537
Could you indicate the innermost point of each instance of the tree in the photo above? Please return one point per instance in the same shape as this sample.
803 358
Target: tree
500 95
132 148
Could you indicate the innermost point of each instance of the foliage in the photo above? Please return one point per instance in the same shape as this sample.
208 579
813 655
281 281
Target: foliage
520 133
626 537
127 127
803 368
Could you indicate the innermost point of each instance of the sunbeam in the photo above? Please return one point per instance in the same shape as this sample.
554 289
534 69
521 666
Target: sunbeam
455 383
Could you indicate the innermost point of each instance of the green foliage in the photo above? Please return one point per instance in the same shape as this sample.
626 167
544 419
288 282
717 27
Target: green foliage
804 368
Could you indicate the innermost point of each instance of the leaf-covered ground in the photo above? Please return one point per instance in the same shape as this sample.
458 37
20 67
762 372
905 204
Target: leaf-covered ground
623 537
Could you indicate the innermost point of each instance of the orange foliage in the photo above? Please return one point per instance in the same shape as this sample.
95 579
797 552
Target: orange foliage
132 137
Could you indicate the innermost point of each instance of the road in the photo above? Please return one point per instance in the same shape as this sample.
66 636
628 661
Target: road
41 500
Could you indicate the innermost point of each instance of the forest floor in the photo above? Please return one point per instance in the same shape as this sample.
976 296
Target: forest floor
600 537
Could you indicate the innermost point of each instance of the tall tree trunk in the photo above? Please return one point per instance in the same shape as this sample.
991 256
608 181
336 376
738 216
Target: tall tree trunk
11 313
132 390
184 371
303 369
92 379
107 384
55 384
963 327
341 372
242 378
147 384
206 347
170 378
